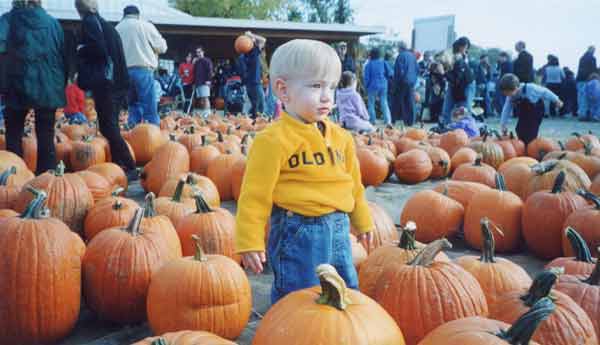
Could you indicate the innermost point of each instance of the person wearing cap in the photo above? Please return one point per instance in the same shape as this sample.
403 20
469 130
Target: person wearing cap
252 76
406 71
143 43
347 61
523 65
32 44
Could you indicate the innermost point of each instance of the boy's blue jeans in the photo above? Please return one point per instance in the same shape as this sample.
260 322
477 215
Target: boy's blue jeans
594 106
582 101
383 99
298 244
143 101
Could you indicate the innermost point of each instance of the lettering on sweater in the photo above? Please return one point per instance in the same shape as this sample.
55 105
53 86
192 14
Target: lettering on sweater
316 158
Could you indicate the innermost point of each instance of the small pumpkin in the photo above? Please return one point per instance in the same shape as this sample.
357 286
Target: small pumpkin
169 161
97 184
477 172
517 177
185 338
113 173
194 184
385 230
175 207
156 222
453 141
86 153
517 160
464 155
327 314
201 156
587 222
145 139
539 147
582 262
440 162
8 193
219 171
461 191
109 213
491 153
413 166
374 167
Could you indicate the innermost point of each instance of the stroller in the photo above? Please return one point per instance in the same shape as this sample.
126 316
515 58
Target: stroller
234 95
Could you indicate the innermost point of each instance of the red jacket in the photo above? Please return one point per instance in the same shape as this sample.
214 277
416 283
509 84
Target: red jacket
186 72
75 99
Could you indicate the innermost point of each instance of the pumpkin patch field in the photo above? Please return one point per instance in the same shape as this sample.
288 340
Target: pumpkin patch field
476 241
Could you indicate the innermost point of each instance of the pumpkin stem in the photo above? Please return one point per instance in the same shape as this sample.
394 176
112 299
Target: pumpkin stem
117 191
407 238
522 330
594 278
60 169
500 183
6 174
159 341
333 288
201 204
370 141
478 161
561 145
582 252
542 286
204 142
35 209
219 136
199 254
134 225
489 243
190 179
559 182
149 210
584 193
178 191
426 256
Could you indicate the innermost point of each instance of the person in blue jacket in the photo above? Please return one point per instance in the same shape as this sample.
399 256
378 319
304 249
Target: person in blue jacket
375 76
406 70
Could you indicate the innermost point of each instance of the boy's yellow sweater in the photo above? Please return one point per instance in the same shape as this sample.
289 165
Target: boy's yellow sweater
293 165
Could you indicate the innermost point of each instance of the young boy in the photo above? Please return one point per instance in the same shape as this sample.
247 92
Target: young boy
592 91
353 112
303 172
75 102
527 102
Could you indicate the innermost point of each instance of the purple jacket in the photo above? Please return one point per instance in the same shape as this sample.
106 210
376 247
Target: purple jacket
351 106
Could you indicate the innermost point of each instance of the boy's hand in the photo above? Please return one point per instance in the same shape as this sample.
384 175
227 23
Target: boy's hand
366 239
559 104
254 261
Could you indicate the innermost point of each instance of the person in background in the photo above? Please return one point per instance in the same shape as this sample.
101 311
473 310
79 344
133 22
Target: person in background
186 73
526 101
345 58
483 77
523 65
376 75
353 113
424 64
253 74
75 102
587 66
203 74
144 43
569 92
435 99
100 42
505 66
406 70
36 77
553 78
592 92
461 81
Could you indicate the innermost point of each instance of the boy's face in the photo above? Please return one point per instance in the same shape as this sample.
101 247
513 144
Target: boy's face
311 100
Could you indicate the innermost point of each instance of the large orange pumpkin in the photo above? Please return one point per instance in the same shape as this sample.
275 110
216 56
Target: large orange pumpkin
481 331
237 176
413 166
86 153
435 214
69 198
97 184
503 209
203 292
461 191
477 172
517 160
440 162
547 171
153 220
544 214
586 221
108 213
113 173
495 275
9 193
185 338
405 289
145 139
329 314
374 167
175 207
40 276
517 177
385 230
491 153
539 147
117 268
464 155
219 171
581 263
169 161
201 156
454 140
568 325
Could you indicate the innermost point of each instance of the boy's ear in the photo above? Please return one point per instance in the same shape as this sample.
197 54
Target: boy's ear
281 90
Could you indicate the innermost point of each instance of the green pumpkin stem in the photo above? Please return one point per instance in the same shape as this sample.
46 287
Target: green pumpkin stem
542 286
488 241
159 341
199 254
521 332
334 292
134 225
60 169
594 278
559 182
478 161
500 183
118 191
190 179
178 191
6 174
561 145
149 210
590 197
36 209
582 252
219 136
427 255
407 238
201 204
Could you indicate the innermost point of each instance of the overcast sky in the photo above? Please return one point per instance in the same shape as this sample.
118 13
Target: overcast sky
561 27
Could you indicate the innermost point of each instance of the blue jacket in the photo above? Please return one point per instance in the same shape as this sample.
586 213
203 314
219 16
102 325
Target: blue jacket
376 75
252 70
505 68
587 66
406 68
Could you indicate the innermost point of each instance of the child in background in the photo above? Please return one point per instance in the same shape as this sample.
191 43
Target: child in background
353 113
302 171
437 90
527 102
75 102
592 92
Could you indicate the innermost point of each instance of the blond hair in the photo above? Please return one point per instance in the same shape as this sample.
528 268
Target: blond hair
302 58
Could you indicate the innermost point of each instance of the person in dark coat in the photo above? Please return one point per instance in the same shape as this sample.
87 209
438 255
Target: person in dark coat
461 81
35 77
505 66
406 70
569 92
523 65
587 66
483 76
101 44
347 61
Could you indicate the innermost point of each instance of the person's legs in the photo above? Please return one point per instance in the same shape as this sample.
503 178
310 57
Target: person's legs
44 130
252 91
447 108
582 111
135 107
15 124
270 102
387 119
148 97
371 96
470 92
260 100
408 105
107 107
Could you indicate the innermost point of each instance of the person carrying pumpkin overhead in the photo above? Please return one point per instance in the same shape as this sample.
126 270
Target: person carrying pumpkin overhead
302 171
527 102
